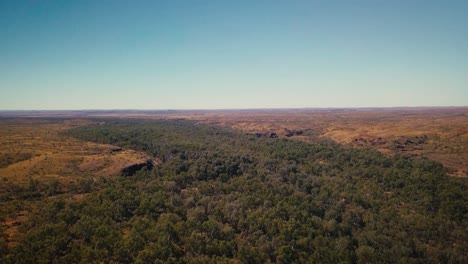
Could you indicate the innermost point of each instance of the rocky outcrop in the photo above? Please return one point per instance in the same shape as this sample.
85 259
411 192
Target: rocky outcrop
286 133
410 143
397 144
360 141
266 134
290 133
116 149
132 169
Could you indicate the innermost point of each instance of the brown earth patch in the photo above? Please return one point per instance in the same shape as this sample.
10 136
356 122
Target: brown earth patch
52 155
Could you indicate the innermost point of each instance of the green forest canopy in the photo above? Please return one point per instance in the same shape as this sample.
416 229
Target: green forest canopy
222 196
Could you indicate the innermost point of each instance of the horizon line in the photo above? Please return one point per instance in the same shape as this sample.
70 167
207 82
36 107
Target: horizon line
230 109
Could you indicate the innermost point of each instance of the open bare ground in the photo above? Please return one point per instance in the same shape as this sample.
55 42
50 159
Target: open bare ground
49 155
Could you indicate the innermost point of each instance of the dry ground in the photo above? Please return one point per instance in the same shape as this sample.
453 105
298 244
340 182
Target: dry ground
45 154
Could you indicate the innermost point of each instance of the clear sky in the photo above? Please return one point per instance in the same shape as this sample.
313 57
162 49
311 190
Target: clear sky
198 54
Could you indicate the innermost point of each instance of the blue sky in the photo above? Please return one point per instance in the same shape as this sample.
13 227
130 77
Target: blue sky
198 54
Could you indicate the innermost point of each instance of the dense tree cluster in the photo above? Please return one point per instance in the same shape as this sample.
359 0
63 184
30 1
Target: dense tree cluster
221 196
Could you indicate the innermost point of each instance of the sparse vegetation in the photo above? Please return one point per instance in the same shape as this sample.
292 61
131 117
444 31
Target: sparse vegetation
7 159
36 148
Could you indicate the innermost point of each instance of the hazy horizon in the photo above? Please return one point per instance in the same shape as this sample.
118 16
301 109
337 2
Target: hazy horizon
218 55
257 109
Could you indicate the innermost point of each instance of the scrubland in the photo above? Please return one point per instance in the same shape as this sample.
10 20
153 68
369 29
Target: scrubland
289 186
